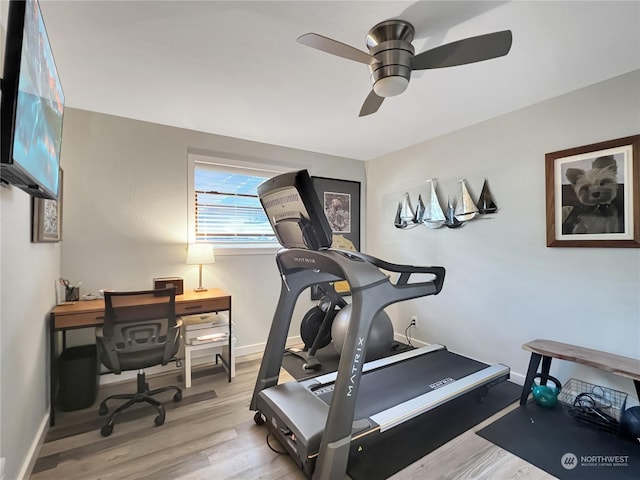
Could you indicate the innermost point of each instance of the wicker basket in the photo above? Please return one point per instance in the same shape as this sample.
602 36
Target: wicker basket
596 406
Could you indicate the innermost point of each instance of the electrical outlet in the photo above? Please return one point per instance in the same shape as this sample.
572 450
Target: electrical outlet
414 321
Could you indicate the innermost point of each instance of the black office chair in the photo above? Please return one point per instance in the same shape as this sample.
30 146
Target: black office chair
140 330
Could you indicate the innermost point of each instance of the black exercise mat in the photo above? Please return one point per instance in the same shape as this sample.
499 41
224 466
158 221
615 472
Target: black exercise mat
563 447
408 442
328 357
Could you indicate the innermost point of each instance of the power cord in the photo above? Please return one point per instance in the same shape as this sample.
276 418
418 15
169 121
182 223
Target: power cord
407 335
279 452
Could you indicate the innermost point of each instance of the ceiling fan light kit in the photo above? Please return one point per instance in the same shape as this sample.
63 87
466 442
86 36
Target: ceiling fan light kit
391 57
389 42
390 86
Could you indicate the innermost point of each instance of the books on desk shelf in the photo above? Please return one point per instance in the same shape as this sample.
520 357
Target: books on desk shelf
205 328
202 321
210 338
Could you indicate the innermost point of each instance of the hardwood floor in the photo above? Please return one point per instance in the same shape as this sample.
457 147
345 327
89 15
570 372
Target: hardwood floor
216 438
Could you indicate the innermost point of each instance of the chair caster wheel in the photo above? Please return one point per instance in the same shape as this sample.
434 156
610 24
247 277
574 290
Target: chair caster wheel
258 418
159 420
177 397
103 410
106 430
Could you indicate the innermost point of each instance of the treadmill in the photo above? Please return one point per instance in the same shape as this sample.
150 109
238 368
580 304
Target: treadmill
331 424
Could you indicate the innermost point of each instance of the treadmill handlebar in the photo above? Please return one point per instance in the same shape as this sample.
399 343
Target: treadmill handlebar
405 271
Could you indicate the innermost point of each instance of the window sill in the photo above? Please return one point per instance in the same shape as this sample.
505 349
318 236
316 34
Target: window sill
248 250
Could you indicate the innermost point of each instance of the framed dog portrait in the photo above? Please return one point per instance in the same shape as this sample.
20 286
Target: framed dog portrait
593 195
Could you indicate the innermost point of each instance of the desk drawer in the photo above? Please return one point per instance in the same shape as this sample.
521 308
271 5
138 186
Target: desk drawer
203 306
78 320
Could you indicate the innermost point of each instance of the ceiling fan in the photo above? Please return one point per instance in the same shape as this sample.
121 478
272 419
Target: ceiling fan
391 56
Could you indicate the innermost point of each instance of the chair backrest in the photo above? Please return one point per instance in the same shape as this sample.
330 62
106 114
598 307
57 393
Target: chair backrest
140 329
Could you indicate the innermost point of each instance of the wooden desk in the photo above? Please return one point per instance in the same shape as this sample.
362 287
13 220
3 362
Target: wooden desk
90 313
545 350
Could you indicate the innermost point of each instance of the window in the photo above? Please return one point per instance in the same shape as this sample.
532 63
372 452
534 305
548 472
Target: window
225 207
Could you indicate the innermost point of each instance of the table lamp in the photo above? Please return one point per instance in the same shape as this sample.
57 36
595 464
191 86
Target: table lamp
200 254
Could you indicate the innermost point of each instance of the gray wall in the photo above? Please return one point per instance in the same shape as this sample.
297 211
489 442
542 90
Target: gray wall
504 287
125 212
28 273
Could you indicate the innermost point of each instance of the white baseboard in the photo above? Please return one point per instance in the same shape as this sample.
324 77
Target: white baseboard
260 347
34 450
517 378
400 337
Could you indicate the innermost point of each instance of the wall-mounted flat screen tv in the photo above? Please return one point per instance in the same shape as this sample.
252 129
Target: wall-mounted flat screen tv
32 105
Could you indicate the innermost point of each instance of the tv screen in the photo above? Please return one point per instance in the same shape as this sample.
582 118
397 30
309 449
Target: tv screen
294 211
32 105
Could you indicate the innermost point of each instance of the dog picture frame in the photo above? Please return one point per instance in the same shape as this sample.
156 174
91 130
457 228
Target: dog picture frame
593 195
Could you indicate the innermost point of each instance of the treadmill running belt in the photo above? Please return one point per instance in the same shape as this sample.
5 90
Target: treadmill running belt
399 382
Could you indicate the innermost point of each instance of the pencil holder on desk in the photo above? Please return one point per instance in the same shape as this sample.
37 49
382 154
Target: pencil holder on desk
72 294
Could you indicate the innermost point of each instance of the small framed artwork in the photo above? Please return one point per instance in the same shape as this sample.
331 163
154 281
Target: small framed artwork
340 200
47 218
593 195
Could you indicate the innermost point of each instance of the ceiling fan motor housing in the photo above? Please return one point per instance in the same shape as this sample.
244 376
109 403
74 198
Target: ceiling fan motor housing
390 43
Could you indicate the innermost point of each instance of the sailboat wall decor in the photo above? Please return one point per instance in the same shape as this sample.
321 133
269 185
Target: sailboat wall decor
420 210
398 220
451 220
433 215
404 214
485 201
429 213
465 209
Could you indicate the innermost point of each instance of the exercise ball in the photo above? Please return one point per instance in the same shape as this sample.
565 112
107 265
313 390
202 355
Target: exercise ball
380 337
630 424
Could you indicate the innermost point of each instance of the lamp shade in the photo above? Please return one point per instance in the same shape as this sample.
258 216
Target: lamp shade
200 254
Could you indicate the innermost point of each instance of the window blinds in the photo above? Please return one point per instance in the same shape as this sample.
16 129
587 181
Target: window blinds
227 208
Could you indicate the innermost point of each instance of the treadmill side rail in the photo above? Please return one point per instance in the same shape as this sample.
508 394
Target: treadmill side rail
403 412
379 363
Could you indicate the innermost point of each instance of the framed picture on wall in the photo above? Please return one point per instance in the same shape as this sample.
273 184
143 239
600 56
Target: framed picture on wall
593 195
46 218
340 200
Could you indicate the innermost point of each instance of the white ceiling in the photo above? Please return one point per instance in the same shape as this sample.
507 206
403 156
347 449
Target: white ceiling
234 68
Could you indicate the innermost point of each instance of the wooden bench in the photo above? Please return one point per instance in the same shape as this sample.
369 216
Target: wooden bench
545 350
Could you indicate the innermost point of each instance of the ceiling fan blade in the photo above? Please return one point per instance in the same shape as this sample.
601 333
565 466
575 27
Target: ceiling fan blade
371 104
469 50
334 47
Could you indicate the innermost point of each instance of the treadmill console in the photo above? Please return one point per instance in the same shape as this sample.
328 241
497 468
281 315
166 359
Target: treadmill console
294 211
